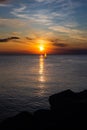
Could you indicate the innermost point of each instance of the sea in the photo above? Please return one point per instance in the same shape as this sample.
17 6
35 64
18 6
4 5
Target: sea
27 81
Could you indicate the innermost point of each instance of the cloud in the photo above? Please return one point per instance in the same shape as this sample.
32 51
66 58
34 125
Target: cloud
55 16
40 0
2 1
46 1
30 39
13 23
55 12
77 51
20 12
66 30
58 43
5 3
9 39
21 9
16 33
41 16
49 1
60 29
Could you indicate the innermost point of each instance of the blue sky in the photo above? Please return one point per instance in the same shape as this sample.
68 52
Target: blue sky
63 21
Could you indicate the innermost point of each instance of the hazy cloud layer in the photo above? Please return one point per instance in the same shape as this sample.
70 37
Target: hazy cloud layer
30 39
55 11
11 23
58 16
58 43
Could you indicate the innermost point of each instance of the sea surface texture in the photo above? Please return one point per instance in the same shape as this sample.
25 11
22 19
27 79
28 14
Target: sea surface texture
27 81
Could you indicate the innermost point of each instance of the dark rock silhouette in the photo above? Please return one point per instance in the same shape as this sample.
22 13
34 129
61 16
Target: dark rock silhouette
71 107
68 110
21 121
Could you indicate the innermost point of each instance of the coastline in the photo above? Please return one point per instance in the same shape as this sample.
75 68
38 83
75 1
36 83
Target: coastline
68 110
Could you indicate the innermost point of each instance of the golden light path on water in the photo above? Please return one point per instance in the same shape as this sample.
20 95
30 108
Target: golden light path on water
41 75
41 69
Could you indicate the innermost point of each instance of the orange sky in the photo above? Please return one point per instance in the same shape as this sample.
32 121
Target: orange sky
59 26
26 46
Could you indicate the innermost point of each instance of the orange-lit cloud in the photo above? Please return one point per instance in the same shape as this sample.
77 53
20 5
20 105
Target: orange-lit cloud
54 24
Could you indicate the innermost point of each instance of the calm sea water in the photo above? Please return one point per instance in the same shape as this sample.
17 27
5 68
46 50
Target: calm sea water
26 82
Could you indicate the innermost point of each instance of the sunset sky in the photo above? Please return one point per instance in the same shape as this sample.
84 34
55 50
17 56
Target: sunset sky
59 26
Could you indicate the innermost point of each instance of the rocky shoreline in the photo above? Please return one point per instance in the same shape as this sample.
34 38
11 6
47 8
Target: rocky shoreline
68 110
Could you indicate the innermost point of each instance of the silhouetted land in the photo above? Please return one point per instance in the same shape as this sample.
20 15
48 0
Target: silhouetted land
68 110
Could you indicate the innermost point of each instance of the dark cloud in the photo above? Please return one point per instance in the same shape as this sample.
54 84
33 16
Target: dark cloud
77 51
3 1
28 38
54 40
8 39
70 51
58 43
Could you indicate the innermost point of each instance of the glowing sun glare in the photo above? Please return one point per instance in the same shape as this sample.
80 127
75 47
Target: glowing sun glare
41 48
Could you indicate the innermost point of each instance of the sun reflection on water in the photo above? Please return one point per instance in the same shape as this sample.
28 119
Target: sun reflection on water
41 64
41 69
41 76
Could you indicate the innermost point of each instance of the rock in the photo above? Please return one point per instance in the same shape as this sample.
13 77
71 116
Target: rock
83 95
22 121
69 105
68 110
42 119
66 96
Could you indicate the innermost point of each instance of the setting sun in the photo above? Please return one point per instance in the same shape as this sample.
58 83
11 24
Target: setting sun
41 48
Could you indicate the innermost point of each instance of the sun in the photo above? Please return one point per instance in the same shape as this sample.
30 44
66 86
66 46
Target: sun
41 48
